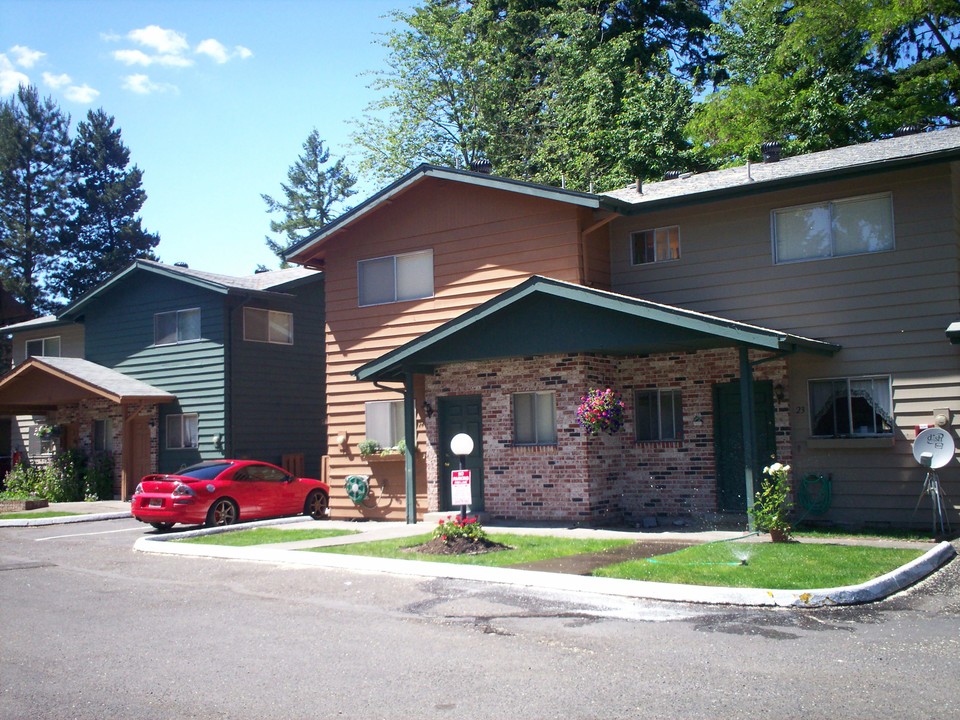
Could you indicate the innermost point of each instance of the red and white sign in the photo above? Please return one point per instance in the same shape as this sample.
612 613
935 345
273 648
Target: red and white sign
460 490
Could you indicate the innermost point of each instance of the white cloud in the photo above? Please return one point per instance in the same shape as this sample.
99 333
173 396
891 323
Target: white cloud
242 52
10 79
213 49
81 94
165 42
25 57
56 81
143 85
138 57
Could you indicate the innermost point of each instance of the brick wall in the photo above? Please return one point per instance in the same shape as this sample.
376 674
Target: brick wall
597 480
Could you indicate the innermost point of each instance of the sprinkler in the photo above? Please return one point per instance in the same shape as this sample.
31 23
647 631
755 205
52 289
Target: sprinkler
743 562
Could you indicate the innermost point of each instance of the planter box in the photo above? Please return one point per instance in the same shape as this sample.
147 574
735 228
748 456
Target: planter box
21 505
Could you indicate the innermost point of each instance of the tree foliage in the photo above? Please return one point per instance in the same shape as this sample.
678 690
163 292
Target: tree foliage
314 191
35 205
817 75
105 235
67 208
558 91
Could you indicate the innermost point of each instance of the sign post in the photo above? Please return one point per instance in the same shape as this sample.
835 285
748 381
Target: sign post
460 491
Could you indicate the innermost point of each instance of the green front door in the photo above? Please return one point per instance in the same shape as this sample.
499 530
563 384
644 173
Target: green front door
728 440
460 414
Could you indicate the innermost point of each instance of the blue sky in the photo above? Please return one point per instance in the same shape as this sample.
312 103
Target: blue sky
214 99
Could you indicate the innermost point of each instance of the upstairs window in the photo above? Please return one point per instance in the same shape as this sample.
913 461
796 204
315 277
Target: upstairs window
179 326
657 245
659 415
268 326
851 407
833 229
43 347
535 418
395 278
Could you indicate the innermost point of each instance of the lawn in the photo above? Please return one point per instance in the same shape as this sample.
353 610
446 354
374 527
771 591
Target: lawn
523 549
768 565
263 536
31 515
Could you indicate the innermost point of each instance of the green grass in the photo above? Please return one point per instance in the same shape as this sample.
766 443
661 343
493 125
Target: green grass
524 549
887 533
769 565
263 536
29 515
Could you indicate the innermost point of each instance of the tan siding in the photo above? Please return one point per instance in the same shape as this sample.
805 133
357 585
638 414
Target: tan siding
484 242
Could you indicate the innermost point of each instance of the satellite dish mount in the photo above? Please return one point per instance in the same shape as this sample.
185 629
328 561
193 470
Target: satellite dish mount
933 449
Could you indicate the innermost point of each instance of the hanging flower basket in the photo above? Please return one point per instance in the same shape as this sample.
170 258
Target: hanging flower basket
601 411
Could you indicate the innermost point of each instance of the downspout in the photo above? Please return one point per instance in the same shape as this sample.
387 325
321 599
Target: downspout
410 439
749 429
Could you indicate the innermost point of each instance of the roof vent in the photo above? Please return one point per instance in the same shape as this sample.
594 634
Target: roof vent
181 264
672 174
771 151
482 166
907 130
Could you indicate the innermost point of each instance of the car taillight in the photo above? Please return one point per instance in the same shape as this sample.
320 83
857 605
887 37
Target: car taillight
182 489
139 490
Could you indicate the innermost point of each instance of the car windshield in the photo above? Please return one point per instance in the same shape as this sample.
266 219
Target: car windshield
204 471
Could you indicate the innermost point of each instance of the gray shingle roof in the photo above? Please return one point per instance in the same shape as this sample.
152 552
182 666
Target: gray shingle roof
102 380
852 159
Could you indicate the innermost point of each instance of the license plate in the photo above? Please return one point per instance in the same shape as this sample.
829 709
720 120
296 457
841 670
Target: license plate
156 502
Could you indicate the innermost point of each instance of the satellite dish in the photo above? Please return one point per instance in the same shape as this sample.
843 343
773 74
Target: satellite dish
933 448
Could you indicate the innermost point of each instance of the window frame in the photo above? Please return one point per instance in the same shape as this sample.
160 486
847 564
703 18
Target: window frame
102 435
179 340
397 263
885 413
182 418
269 326
394 422
829 205
668 229
676 414
538 405
43 346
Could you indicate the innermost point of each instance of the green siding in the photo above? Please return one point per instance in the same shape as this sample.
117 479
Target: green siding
277 404
119 335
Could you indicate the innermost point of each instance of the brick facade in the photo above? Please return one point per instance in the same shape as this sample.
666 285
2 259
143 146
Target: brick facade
605 479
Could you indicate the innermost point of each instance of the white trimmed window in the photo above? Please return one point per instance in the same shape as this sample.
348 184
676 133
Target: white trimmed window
851 407
659 415
182 431
384 422
395 278
852 226
179 326
535 418
267 326
657 245
47 347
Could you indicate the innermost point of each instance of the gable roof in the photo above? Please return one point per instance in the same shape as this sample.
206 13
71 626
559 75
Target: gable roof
264 284
542 316
42 383
299 252
850 161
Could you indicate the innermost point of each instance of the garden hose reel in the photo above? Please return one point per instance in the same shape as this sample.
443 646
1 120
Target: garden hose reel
358 487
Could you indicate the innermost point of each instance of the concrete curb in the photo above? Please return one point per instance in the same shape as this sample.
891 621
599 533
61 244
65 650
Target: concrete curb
63 520
871 591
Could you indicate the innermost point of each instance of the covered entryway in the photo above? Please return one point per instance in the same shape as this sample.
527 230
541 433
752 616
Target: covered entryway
544 317
68 389
728 441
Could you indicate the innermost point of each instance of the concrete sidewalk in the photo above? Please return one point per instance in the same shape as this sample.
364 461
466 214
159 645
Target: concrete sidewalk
84 512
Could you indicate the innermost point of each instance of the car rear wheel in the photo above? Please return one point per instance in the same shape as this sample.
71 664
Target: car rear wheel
316 505
222 512
163 527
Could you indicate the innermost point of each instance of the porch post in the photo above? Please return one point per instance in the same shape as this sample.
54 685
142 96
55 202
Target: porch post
749 428
410 439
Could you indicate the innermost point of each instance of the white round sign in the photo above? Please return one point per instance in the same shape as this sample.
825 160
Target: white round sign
933 448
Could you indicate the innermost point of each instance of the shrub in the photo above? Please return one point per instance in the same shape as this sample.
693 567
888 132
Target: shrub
454 528
98 478
71 477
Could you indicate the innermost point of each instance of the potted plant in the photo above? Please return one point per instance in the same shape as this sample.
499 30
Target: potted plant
772 505
601 411
369 447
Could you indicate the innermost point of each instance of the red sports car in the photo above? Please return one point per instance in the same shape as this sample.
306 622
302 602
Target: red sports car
221 492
